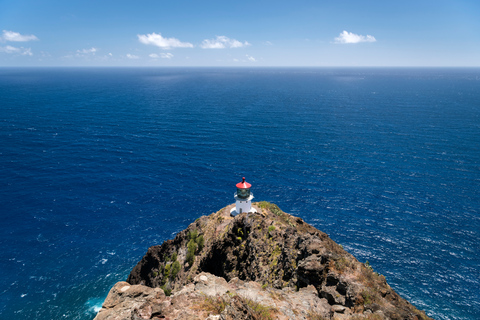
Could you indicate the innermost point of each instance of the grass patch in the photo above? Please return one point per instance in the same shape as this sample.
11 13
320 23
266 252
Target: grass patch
342 264
270 230
368 297
255 309
214 305
314 316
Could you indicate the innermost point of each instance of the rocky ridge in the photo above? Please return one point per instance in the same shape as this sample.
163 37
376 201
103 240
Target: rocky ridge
264 265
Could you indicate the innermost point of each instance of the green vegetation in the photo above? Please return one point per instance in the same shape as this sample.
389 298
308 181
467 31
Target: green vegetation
166 271
342 264
194 246
264 204
173 257
191 247
166 290
240 232
314 316
256 310
215 305
270 230
368 266
367 297
277 251
193 234
175 269
273 208
200 243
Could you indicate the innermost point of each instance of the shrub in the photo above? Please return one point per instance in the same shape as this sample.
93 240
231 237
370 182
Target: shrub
174 257
200 243
166 271
195 245
191 247
368 266
175 269
193 234
166 290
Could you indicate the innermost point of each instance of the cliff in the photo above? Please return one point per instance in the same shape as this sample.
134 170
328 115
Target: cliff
265 265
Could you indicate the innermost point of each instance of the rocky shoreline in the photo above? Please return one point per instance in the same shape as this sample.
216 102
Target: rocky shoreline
263 265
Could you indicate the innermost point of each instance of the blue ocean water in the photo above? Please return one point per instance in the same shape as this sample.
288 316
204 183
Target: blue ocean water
97 165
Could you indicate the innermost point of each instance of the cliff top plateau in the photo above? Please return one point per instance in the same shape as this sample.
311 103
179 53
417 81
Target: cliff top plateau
263 265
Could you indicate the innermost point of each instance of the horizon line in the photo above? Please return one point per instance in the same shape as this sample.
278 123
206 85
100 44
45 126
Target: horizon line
236 67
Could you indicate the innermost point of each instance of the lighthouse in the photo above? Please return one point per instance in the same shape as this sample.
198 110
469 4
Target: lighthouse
243 198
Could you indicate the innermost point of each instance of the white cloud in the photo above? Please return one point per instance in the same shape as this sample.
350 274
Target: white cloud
165 43
23 51
349 37
9 49
222 42
162 55
132 56
27 52
88 51
17 37
250 58
268 43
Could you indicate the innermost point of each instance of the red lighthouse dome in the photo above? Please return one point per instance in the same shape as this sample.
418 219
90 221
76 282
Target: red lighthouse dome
243 189
243 184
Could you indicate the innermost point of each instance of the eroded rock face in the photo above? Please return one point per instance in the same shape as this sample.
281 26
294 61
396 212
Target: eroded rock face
269 251
211 297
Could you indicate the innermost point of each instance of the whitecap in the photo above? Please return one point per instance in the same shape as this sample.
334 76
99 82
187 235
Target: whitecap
94 305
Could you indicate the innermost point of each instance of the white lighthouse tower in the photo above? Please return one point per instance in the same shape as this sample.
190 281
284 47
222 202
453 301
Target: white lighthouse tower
243 199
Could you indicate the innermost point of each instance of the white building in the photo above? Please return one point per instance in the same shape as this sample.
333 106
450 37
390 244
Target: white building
243 198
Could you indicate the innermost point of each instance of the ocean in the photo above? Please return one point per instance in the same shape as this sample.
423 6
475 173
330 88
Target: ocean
98 164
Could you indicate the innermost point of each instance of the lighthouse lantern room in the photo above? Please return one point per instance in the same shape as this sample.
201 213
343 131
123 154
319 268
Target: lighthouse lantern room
243 198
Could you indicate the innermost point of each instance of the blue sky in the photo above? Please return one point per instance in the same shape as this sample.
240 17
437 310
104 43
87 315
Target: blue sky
246 33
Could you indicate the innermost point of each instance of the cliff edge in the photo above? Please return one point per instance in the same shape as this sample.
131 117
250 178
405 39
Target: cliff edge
264 265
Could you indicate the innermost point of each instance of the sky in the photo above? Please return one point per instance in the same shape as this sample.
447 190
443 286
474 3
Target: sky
244 33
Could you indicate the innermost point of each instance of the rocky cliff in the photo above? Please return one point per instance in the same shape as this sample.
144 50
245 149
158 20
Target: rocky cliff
264 265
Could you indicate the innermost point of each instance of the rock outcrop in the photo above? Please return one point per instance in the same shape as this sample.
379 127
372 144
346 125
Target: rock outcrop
265 265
